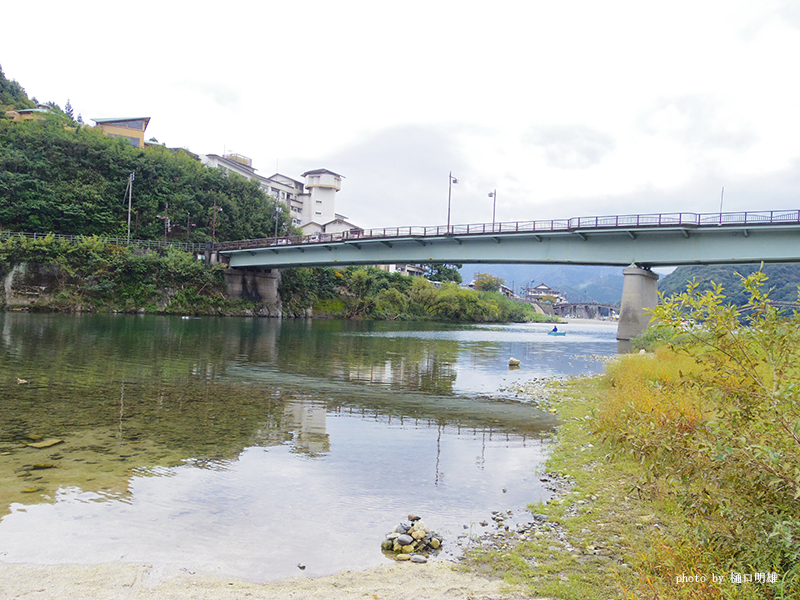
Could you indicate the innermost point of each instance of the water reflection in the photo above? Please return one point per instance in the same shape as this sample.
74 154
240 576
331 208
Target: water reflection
324 418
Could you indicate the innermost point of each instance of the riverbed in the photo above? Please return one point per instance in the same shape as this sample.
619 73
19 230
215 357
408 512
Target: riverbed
247 447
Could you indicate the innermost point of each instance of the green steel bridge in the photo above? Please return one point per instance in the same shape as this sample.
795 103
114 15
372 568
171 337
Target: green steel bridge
636 242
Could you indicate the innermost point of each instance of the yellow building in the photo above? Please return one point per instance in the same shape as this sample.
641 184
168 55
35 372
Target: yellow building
131 129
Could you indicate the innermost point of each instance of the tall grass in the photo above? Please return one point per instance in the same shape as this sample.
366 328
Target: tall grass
715 423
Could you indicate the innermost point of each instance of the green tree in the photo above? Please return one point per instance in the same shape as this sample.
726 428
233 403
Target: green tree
68 109
487 283
444 272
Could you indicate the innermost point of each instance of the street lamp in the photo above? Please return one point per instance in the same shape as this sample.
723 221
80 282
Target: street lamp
452 180
277 213
494 205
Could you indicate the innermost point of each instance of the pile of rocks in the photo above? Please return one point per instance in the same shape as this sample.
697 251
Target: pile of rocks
411 541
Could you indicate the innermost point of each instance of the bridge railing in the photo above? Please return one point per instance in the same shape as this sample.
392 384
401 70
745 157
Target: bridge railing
149 244
679 219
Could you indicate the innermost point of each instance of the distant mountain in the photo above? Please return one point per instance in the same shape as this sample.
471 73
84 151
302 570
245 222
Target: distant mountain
577 283
783 280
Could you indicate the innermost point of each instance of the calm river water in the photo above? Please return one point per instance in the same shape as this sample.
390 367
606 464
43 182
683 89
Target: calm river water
246 446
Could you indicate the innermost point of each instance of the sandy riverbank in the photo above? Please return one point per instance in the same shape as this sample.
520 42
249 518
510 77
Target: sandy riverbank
122 581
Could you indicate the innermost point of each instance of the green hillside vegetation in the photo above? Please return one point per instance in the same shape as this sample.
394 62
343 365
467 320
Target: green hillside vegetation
783 280
59 176
369 293
12 94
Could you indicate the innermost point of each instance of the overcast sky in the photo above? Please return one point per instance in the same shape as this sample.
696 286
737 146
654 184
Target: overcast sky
566 108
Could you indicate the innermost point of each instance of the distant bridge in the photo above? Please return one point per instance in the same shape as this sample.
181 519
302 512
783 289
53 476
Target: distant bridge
638 242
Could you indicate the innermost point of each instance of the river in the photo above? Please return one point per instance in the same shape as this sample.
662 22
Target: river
245 447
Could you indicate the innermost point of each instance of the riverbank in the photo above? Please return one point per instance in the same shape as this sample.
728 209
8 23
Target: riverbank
116 581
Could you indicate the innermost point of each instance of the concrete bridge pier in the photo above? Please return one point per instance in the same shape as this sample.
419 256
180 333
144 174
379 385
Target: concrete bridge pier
639 291
256 285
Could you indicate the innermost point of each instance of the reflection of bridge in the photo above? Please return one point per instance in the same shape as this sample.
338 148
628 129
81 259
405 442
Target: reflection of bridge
638 242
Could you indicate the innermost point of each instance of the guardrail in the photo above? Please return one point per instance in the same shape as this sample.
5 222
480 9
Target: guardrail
693 220
149 244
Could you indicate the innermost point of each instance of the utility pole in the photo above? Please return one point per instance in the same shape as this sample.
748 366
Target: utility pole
129 193
214 222
165 218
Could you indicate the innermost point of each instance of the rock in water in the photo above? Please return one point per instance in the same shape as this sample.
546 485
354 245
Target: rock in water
405 540
46 443
418 558
513 362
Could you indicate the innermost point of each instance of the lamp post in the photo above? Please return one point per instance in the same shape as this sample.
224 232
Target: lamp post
493 195
451 181
277 213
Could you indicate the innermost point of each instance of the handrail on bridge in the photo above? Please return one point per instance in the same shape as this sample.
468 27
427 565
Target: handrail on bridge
681 220
149 244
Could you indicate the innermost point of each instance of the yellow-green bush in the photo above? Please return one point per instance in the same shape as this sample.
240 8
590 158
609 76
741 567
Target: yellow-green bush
716 422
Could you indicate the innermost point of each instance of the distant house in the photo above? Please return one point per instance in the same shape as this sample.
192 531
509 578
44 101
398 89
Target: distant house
28 114
544 293
406 269
131 129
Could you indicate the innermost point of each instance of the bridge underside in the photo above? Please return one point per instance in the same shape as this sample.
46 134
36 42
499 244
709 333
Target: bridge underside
644 247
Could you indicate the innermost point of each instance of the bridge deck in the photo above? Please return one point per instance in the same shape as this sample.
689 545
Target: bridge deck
646 240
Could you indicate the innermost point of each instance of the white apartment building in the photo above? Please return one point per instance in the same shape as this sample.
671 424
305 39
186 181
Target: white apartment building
312 205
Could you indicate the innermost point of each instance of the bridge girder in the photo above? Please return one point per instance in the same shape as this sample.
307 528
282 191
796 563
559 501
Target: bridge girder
646 247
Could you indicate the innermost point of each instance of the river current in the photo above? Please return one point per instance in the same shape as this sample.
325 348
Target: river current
245 447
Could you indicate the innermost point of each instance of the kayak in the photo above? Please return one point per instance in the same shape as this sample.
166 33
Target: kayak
556 333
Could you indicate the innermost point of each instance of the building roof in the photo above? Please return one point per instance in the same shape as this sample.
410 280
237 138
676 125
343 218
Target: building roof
321 172
232 163
285 180
340 220
145 119
40 108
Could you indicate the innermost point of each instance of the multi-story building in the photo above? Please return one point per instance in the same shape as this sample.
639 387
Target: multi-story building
312 205
131 129
288 191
